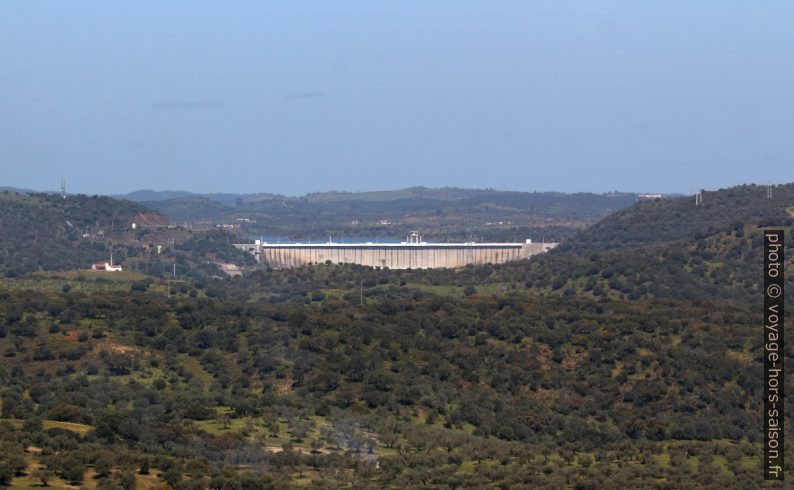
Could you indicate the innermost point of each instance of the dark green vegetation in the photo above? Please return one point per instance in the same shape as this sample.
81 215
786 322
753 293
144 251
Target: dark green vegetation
516 389
672 248
447 214
670 220
591 367
45 232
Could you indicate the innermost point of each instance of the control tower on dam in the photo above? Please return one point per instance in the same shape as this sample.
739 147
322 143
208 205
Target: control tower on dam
410 254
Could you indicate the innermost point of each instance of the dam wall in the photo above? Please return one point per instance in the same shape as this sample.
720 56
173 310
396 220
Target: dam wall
392 255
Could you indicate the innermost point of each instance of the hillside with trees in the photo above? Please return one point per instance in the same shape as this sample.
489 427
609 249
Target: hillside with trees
669 220
632 365
47 232
673 248
409 388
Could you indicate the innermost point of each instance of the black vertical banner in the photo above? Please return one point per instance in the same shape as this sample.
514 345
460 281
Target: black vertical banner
773 354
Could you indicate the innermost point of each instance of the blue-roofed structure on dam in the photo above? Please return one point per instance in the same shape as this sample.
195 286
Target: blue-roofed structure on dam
413 253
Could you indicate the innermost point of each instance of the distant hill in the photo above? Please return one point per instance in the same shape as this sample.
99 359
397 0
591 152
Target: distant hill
668 220
148 196
671 249
43 232
440 214
192 208
442 193
16 190
46 231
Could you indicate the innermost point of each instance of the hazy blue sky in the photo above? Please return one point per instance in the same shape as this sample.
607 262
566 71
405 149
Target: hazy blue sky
294 97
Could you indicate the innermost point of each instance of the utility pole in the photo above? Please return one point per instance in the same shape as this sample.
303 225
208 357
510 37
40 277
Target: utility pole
169 281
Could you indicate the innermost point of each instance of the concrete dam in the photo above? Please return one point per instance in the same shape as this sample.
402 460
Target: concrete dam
410 254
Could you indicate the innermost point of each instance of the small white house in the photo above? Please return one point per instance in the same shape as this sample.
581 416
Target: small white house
106 266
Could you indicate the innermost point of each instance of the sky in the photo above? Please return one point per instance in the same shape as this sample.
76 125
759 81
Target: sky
295 96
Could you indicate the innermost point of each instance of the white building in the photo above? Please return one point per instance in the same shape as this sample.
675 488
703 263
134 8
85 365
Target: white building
106 266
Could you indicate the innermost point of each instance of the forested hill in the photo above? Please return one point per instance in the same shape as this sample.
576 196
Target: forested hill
670 248
47 232
440 214
667 220
80 211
